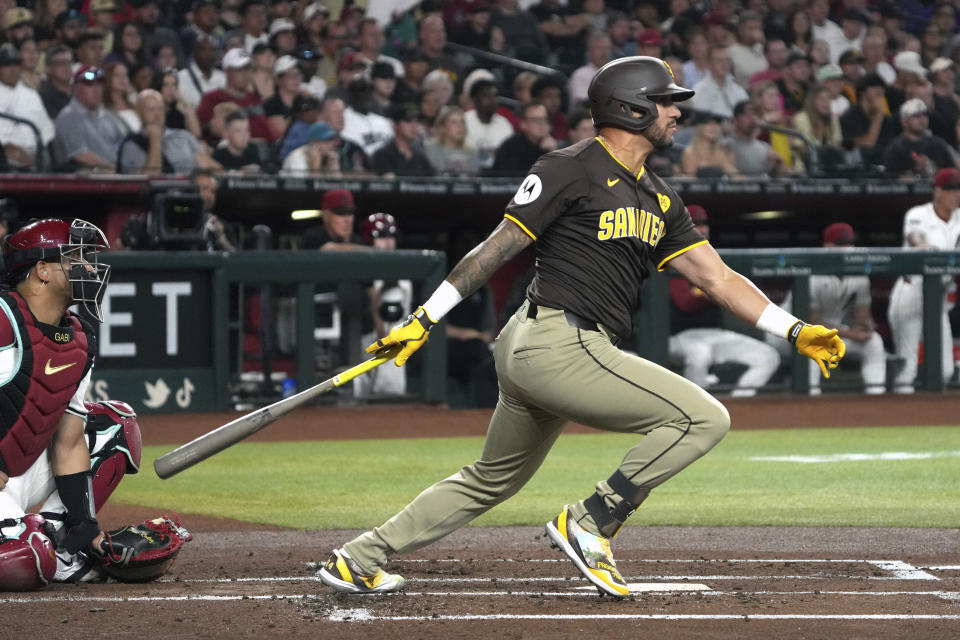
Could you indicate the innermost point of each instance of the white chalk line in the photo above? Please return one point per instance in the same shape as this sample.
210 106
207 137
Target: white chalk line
858 457
364 615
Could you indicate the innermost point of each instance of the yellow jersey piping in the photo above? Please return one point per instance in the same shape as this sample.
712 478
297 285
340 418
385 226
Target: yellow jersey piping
519 224
677 253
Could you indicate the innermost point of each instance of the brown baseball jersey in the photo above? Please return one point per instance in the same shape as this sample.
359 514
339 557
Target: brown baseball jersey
597 228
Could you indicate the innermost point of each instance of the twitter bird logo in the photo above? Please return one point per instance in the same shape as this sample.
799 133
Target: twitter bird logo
159 392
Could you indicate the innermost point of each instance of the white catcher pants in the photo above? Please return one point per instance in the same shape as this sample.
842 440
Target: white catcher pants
701 348
905 314
35 486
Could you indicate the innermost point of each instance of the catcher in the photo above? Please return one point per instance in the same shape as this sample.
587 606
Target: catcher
56 450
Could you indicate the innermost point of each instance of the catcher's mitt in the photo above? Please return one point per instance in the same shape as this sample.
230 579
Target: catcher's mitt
143 552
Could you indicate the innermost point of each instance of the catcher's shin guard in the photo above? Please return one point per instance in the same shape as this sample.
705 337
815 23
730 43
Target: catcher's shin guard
113 437
590 554
27 560
340 572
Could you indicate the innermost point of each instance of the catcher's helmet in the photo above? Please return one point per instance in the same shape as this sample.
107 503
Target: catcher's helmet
379 225
623 87
75 245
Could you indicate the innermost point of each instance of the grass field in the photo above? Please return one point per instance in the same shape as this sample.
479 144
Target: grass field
907 477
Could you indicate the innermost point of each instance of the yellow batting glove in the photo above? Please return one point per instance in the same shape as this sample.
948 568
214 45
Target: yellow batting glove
410 335
818 343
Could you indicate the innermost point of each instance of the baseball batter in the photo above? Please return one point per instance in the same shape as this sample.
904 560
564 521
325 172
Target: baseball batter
600 220
935 226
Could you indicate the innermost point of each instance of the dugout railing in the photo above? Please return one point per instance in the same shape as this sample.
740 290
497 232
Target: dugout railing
796 266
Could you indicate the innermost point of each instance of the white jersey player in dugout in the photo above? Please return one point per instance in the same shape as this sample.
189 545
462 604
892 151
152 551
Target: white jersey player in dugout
932 226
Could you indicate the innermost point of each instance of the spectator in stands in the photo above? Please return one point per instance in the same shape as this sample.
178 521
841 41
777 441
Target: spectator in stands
649 43
851 64
824 28
318 155
163 56
18 100
101 20
29 63
303 113
237 68
179 114
699 342
384 81
262 79
399 157
853 28
333 38
159 149
432 39
56 88
521 94
18 24
436 92
68 26
521 31
201 76
599 50
768 101
309 60
820 53
718 92
518 152
336 233
313 19
278 107
746 54
821 127
721 31
830 77
351 155
565 28
474 31
775 52
619 29
910 71
87 136
236 152
916 153
707 155
945 99
253 20
127 45
447 150
146 14
548 91
370 41
116 96
352 67
205 25
141 77
283 37
89 49
865 125
932 43
875 56
793 82
698 49
486 129
799 33
581 126
751 156
362 126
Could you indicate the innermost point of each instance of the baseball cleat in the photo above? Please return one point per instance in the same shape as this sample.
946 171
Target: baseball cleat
341 573
591 554
77 568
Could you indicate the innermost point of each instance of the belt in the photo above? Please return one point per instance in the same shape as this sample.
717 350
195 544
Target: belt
578 322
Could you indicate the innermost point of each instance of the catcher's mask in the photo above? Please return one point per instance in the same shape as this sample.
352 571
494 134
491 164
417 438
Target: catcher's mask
620 93
76 245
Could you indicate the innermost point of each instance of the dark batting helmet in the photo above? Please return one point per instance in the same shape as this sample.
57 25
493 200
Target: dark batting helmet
379 225
620 92
75 245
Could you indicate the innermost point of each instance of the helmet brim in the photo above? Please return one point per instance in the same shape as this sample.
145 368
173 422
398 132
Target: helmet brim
678 93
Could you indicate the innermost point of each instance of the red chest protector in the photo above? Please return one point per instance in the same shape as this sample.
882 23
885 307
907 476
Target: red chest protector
53 361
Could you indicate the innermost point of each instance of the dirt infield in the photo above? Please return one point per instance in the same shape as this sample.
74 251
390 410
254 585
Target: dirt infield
241 580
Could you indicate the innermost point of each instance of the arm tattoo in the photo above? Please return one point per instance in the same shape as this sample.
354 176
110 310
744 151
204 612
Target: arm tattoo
506 241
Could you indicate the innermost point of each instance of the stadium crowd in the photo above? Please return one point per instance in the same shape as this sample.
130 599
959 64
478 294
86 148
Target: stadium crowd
785 87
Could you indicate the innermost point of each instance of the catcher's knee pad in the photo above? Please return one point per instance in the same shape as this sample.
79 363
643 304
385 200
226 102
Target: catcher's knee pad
26 557
113 437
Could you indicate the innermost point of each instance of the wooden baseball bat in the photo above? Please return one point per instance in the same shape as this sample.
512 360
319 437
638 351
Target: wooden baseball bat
215 441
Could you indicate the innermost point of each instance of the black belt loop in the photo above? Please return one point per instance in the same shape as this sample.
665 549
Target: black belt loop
532 310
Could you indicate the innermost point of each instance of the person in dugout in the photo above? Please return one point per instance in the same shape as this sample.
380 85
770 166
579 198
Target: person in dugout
56 450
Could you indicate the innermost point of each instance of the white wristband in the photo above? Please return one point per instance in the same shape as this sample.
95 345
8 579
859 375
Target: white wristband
776 321
446 297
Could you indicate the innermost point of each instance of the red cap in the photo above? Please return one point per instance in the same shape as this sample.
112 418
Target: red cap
838 233
649 36
339 201
352 60
698 214
947 179
88 74
716 18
